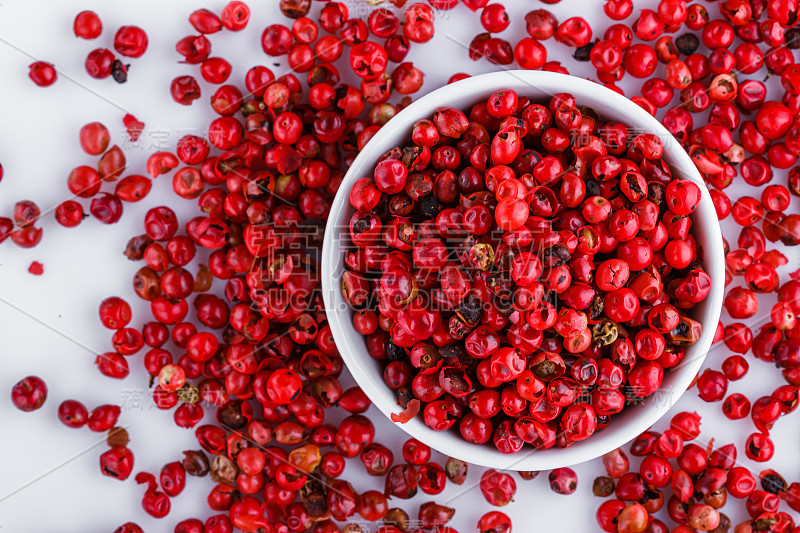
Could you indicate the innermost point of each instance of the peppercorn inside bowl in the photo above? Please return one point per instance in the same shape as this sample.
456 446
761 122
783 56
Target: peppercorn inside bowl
523 269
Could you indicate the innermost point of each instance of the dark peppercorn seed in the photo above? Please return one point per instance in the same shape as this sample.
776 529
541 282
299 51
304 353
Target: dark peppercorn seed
404 396
773 483
119 71
592 188
792 38
195 463
687 43
583 53
394 352
603 486
428 207
724 524
451 352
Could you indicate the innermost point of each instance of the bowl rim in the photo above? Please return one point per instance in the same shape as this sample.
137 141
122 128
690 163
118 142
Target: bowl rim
448 442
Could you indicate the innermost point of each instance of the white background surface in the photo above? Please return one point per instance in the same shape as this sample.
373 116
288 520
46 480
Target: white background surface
49 477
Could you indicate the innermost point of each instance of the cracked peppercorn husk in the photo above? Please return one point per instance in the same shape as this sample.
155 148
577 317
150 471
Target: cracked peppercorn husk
224 470
231 415
604 332
456 470
188 394
314 496
134 250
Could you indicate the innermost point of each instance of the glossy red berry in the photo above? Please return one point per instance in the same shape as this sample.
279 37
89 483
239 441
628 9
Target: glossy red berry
29 394
73 414
87 25
130 41
100 63
42 73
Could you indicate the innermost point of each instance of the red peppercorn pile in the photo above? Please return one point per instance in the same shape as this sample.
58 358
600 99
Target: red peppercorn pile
211 327
692 481
509 288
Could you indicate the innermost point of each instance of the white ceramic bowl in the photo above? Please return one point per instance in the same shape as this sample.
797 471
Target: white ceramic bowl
537 86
